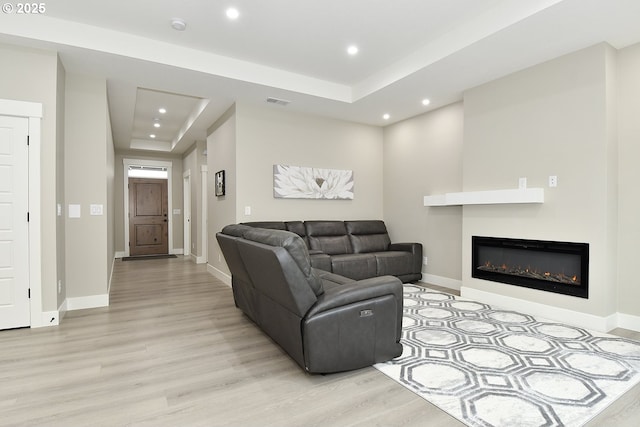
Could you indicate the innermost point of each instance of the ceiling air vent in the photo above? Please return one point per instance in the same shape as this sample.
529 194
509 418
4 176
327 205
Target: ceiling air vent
277 101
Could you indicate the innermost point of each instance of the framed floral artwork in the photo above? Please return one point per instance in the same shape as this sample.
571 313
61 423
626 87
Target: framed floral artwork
298 182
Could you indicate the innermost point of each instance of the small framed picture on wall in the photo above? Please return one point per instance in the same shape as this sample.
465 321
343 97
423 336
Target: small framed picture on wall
219 180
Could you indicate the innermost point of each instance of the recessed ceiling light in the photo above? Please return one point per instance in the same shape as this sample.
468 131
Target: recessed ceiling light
178 24
352 50
162 110
156 125
152 136
232 13
426 102
386 116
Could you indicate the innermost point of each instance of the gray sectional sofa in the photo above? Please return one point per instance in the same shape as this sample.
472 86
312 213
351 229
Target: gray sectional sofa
324 321
354 249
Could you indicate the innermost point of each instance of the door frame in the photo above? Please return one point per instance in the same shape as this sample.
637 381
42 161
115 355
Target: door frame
143 162
186 211
33 112
203 223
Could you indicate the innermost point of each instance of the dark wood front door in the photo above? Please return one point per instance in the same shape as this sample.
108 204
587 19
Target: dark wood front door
148 220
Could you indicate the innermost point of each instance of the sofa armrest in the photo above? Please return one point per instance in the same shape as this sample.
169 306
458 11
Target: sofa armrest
358 291
354 325
415 249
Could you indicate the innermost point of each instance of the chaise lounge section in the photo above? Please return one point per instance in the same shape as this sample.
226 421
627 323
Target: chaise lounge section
356 249
324 321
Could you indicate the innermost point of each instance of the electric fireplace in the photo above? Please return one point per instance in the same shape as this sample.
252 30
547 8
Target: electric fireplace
560 267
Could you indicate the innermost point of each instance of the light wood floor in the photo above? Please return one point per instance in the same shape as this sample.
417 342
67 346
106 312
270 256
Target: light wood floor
172 350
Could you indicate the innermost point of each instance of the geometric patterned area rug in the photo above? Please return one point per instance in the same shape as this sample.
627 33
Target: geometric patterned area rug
491 367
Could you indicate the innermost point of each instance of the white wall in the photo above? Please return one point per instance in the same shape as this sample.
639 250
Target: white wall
423 156
551 119
221 155
629 178
88 180
36 76
269 136
246 143
192 162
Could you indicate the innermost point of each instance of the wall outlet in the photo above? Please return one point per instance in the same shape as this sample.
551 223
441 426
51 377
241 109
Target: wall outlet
59 286
553 181
247 210
96 209
424 260
522 183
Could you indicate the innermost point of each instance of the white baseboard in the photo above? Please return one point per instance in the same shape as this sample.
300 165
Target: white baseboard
120 254
445 282
628 321
177 251
198 259
543 311
50 318
113 266
92 301
219 274
62 310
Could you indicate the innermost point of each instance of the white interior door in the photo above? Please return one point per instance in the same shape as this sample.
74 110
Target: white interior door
14 231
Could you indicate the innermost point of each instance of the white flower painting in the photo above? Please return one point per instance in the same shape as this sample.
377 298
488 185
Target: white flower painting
297 182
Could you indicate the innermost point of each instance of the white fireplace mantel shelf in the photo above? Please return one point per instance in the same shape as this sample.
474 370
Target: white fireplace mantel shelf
493 197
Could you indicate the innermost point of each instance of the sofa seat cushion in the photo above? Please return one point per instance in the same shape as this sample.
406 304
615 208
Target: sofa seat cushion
354 266
394 263
332 280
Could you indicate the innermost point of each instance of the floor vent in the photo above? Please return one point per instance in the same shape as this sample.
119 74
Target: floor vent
277 101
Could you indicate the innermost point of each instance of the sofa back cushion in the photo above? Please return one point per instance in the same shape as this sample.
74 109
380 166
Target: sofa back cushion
272 225
329 237
368 236
296 249
298 228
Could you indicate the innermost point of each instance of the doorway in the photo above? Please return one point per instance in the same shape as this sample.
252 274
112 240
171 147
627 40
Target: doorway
148 217
14 231
20 215
150 165
186 197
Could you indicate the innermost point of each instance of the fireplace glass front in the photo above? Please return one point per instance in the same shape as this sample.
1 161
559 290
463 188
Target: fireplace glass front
560 267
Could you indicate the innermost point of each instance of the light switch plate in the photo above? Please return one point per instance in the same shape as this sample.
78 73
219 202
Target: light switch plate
74 211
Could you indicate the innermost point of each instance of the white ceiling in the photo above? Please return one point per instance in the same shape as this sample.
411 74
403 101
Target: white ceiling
296 50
